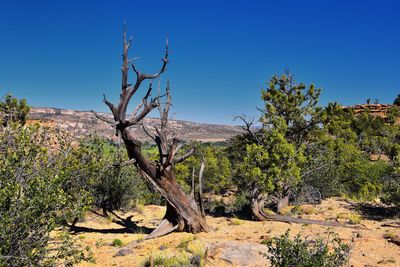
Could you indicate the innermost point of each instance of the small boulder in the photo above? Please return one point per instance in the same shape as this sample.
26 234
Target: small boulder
195 261
123 252
239 253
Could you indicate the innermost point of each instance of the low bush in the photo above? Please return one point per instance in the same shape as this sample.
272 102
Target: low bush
284 252
110 185
185 242
391 191
306 209
117 243
236 221
167 260
197 249
354 218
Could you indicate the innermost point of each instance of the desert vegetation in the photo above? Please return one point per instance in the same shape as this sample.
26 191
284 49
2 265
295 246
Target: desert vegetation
286 163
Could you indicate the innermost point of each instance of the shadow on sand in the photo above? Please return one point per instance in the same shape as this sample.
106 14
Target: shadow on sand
374 211
129 226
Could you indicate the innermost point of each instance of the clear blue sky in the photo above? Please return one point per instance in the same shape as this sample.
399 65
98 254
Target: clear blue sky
67 53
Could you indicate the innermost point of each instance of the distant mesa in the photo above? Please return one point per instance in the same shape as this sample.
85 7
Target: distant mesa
84 122
376 110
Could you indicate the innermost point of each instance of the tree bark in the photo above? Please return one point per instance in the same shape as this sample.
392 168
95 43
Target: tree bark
182 212
282 203
257 204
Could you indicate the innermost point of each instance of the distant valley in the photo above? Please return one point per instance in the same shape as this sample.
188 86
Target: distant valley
84 122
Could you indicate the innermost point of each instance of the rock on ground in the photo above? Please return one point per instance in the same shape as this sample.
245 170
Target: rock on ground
238 253
124 252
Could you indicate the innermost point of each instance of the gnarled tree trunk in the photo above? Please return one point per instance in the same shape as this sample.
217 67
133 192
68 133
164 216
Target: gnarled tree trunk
183 213
257 208
257 204
283 203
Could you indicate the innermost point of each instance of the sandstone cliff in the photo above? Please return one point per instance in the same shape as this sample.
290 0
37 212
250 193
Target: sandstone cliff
378 110
84 122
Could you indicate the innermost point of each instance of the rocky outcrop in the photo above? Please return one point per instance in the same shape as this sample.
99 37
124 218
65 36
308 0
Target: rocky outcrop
237 253
376 110
84 122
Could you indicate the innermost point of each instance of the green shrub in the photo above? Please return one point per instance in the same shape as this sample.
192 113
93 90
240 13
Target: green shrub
166 260
236 221
342 154
346 170
117 242
218 171
354 218
284 252
33 199
116 187
391 190
185 242
307 209
197 249
99 243
13 110
111 186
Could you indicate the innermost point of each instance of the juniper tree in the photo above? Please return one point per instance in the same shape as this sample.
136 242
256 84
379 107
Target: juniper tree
275 153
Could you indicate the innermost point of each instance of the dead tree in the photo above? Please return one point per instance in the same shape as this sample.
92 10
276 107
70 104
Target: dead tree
182 212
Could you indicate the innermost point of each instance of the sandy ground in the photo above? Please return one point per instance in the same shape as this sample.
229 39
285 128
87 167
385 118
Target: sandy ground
369 245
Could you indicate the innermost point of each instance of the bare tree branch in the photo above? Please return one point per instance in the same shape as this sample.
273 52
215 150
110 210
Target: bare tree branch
147 108
100 117
140 77
165 112
143 76
248 126
125 60
184 157
143 103
128 90
147 132
110 105
177 148
125 163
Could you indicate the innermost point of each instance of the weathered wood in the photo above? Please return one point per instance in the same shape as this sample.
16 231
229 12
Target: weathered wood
394 240
257 207
201 183
282 204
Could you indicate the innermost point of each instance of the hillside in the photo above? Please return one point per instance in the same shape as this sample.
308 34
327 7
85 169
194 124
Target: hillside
84 122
